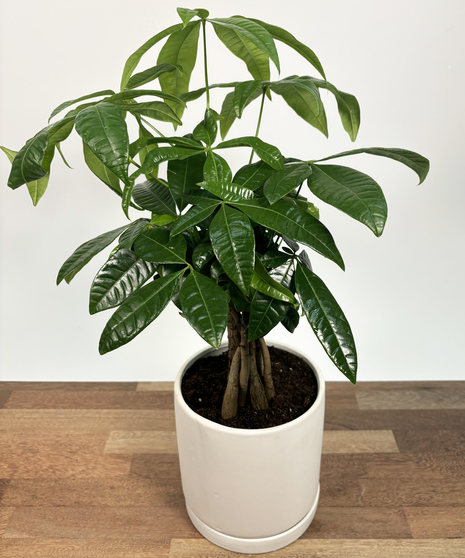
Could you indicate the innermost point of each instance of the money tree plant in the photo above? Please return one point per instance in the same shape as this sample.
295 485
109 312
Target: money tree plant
224 246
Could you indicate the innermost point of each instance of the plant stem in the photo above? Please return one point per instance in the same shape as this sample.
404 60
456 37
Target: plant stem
207 89
259 121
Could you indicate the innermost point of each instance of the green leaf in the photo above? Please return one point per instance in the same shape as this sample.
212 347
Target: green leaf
291 319
290 220
155 245
267 152
207 129
285 180
154 196
244 93
26 166
352 192
227 191
327 321
274 258
243 31
254 175
119 277
162 154
84 98
201 255
57 133
216 169
104 130
413 160
100 170
197 93
133 60
155 109
228 114
348 108
9 153
138 311
37 188
121 98
195 215
184 174
285 37
303 97
264 283
126 240
233 242
179 49
84 253
205 306
186 14
151 74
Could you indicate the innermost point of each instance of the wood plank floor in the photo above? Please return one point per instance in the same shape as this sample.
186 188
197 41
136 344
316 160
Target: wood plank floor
90 470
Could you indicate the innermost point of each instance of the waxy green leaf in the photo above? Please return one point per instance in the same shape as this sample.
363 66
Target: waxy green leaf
126 240
290 220
179 49
244 93
228 114
202 254
285 180
151 74
84 253
123 96
155 109
327 321
351 191
216 169
134 59
162 154
104 130
84 98
155 245
195 215
186 14
233 242
243 31
413 160
205 306
100 170
254 175
267 152
138 311
227 191
154 196
264 283
285 37
207 129
184 174
118 279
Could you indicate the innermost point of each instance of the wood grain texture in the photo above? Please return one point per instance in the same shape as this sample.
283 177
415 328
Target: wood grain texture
346 548
359 441
91 471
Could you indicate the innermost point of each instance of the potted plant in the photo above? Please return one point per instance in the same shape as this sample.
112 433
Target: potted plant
226 248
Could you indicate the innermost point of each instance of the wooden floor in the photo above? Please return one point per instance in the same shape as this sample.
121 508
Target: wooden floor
90 470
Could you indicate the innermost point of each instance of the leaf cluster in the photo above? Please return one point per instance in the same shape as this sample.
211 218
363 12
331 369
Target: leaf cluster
211 239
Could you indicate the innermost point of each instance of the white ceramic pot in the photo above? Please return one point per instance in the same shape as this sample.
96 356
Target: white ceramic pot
250 491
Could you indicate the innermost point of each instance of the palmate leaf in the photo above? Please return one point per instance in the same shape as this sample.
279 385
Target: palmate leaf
179 49
254 175
327 321
205 306
294 222
247 31
267 152
244 93
233 242
285 37
101 171
104 130
207 129
142 78
195 215
285 180
162 154
227 191
134 59
351 191
202 254
82 255
119 277
216 169
413 160
138 311
155 245
184 174
303 97
154 196
263 282
126 240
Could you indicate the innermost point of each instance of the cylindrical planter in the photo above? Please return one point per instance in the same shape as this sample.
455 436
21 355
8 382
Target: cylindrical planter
250 491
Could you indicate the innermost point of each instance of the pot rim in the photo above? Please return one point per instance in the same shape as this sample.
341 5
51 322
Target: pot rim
248 432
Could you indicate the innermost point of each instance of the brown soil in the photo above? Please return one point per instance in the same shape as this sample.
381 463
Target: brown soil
295 383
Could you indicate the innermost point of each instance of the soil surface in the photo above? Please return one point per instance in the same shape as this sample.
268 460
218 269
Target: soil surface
295 384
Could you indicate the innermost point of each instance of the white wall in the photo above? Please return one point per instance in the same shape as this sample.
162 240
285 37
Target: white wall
403 293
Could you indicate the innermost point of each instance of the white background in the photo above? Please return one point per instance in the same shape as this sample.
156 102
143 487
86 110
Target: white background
402 293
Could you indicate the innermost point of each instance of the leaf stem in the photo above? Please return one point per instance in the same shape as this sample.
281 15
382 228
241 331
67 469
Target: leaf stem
259 121
207 88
